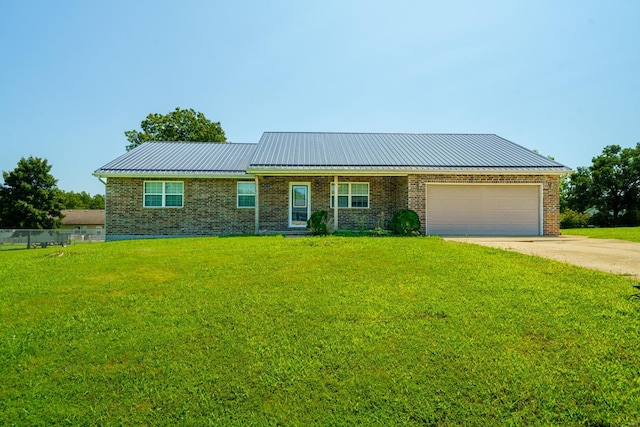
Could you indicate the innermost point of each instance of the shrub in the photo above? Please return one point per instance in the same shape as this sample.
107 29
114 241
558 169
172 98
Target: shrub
600 219
630 218
318 223
405 222
572 219
379 231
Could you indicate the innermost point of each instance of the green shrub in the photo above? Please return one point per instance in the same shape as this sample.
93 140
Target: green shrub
405 222
318 223
601 219
630 218
379 231
572 219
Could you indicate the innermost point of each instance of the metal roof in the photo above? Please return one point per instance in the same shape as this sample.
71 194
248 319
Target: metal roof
83 216
322 153
182 158
384 151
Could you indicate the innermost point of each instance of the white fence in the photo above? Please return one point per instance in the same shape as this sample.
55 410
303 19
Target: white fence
20 239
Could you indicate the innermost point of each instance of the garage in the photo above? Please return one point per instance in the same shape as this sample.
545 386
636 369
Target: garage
483 210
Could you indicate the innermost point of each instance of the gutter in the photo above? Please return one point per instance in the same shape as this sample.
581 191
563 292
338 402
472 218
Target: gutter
172 175
293 171
104 228
406 172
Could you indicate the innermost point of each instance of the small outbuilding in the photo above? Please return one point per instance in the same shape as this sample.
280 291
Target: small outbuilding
84 222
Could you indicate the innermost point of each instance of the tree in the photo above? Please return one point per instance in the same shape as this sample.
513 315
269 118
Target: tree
178 125
576 191
611 185
29 197
616 180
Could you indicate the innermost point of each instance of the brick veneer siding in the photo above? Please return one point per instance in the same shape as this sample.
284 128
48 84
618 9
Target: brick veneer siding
209 209
550 193
210 204
386 195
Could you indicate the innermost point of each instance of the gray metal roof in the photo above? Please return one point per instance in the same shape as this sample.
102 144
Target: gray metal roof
380 151
319 152
184 158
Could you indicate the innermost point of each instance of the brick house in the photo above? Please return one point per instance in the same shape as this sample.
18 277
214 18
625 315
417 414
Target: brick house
459 184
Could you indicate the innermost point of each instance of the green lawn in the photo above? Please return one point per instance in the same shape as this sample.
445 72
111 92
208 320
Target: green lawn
622 233
315 331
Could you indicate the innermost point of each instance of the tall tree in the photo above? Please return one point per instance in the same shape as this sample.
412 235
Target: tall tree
29 197
178 125
611 184
576 191
616 179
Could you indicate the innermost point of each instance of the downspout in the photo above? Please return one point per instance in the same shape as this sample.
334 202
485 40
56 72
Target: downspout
335 203
256 208
104 230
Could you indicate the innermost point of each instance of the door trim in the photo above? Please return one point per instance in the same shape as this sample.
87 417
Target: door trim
290 203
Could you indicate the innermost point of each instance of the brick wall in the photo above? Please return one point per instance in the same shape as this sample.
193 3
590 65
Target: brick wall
551 205
210 204
385 198
550 192
209 209
273 200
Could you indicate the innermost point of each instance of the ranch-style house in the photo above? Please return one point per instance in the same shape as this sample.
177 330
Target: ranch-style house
459 184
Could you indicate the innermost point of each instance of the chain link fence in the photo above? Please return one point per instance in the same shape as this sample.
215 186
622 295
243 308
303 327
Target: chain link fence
31 239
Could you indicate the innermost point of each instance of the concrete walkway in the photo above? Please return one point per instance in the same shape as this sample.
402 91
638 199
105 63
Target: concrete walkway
612 256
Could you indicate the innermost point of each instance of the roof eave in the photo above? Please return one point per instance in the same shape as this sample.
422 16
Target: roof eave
291 171
181 175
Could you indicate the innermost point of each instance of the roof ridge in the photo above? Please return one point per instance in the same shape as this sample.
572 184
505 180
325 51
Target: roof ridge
382 133
202 142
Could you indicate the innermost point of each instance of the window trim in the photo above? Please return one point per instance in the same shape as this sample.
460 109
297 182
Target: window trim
238 195
164 195
350 195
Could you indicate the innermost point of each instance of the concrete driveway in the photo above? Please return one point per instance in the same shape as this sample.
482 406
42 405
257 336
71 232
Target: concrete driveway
612 256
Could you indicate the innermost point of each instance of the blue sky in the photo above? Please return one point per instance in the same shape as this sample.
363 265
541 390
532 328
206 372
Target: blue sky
561 77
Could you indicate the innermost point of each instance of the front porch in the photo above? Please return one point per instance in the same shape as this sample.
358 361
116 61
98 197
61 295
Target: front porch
284 203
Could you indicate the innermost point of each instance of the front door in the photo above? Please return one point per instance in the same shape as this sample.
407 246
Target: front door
299 206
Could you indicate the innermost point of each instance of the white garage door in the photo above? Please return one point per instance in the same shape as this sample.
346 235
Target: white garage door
483 210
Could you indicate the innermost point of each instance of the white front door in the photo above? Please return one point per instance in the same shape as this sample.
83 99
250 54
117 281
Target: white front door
299 206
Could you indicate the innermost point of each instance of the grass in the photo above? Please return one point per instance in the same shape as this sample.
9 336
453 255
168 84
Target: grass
631 234
314 331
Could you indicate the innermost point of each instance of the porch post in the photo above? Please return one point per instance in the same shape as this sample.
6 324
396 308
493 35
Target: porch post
335 203
256 209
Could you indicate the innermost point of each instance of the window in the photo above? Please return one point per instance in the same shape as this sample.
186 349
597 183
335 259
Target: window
246 194
163 194
351 195
343 195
